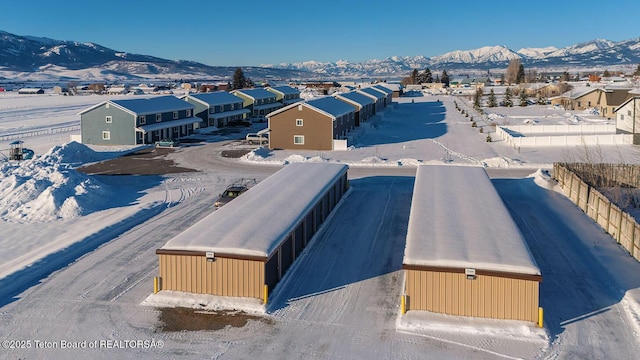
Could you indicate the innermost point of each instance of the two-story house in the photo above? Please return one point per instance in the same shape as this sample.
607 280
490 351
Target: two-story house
259 101
137 121
218 108
285 94
311 125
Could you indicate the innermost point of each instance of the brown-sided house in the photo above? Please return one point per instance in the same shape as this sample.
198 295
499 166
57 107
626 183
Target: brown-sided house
312 125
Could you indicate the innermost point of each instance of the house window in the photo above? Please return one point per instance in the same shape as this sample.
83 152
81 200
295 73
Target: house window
109 119
158 117
188 112
143 119
578 103
629 112
298 139
621 116
106 135
175 115
299 122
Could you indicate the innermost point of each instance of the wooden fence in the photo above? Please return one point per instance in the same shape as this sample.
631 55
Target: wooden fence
622 227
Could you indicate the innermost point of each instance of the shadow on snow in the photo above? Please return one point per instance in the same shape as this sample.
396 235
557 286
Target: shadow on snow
363 238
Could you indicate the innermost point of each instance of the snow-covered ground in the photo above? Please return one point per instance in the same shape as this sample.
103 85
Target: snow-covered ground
77 252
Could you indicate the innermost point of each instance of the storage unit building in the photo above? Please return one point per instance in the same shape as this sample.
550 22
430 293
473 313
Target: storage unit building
464 253
253 240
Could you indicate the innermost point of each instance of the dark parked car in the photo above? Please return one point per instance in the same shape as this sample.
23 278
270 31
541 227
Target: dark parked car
233 191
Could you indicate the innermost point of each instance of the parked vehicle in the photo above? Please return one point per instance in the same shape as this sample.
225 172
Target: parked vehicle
233 191
168 143
255 139
240 122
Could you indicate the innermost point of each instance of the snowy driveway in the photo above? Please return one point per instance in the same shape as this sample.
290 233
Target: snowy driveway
340 300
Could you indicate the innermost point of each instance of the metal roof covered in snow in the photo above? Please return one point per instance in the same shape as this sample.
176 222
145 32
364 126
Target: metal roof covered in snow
247 225
458 220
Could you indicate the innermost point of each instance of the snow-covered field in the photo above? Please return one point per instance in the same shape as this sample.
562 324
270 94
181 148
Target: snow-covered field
77 252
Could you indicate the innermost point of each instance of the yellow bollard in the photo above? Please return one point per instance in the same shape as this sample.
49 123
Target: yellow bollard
540 317
403 304
266 293
156 285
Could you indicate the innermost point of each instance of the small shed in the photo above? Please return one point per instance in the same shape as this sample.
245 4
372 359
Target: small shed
247 246
464 254
31 91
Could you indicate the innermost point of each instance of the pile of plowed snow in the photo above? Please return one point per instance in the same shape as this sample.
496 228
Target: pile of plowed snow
48 187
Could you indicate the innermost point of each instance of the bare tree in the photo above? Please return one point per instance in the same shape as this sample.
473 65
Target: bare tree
511 75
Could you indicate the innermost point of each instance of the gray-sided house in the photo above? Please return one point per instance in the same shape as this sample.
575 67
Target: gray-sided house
259 101
377 96
285 94
312 125
137 121
364 105
218 108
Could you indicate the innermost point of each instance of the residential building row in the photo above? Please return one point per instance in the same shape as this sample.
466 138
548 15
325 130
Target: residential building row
147 120
324 124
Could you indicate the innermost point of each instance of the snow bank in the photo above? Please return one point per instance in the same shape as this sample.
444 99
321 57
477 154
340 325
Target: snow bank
48 188
168 298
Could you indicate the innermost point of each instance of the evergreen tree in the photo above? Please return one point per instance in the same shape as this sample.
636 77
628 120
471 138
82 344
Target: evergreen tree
565 76
444 78
637 72
520 77
239 81
491 102
606 73
428 78
478 98
415 76
523 98
507 97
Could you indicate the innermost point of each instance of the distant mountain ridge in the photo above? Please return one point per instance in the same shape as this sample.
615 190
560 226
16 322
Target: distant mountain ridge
595 53
40 58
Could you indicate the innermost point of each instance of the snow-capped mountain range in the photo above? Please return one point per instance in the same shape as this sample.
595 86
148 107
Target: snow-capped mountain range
43 59
593 54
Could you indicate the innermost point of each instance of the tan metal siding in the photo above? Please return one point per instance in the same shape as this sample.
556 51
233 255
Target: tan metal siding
222 277
487 296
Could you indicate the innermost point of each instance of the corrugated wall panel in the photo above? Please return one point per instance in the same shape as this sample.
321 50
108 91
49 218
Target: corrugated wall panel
223 277
487 296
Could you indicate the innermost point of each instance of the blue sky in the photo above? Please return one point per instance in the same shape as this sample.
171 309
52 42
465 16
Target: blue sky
254 32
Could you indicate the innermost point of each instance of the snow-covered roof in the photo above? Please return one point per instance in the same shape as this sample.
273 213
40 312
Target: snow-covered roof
255 223
145 106
356 97
458 221
258 93
285 90
384 89
168 124
217 98
372 92
332 106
